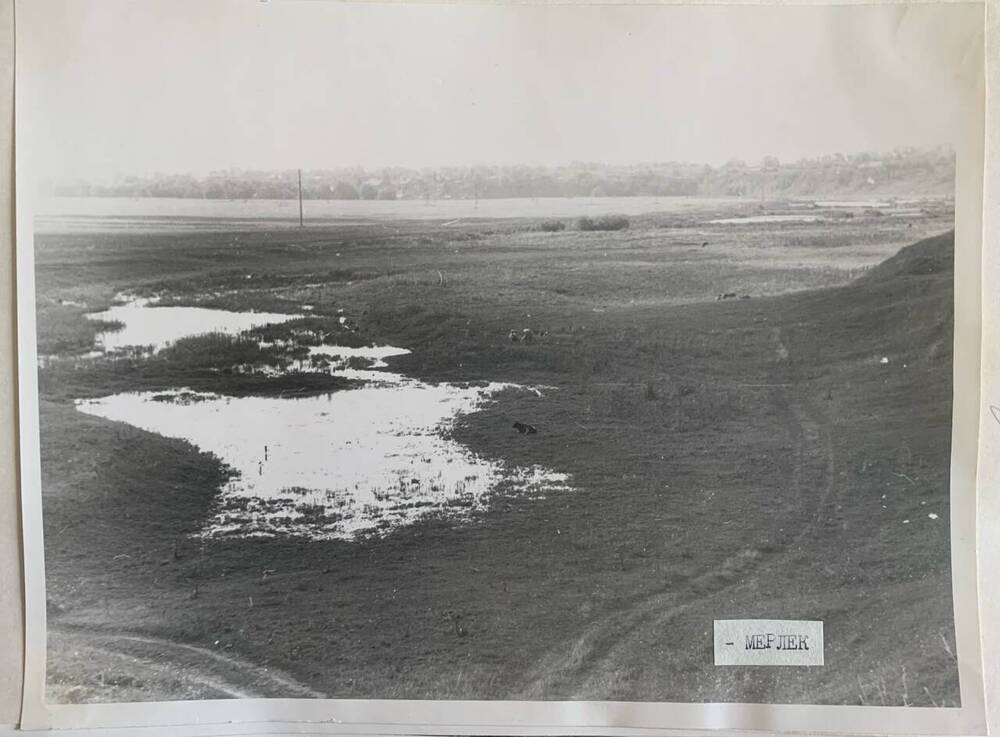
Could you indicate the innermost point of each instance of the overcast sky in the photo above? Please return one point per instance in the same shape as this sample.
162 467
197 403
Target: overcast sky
112 87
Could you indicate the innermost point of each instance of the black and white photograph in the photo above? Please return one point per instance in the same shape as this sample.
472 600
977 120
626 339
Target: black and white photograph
495 352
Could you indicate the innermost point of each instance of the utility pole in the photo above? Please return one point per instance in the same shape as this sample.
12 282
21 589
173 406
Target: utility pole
301 223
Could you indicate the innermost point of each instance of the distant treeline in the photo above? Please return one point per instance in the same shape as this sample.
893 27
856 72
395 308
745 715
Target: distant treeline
927 172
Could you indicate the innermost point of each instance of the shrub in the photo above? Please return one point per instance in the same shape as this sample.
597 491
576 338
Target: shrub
552 226
604 222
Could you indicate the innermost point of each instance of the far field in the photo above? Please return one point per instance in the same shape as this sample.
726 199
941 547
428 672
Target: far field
782 456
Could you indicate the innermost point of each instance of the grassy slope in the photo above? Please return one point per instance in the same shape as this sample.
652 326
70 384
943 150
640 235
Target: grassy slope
729 458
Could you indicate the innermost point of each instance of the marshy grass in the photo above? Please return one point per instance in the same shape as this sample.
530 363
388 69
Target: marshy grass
212 350
66 330
237 365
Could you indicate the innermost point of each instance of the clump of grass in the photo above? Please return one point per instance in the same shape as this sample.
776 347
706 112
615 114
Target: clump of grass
359 363
215 349
604 222
318 514
311 331
551 226
650 392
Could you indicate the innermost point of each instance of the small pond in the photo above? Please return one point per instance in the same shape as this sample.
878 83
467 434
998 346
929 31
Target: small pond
146 324
361 460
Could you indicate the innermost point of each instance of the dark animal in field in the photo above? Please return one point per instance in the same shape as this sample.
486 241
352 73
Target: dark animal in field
726 295
704 244
524 428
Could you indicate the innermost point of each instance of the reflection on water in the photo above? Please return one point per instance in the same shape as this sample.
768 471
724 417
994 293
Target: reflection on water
362 460
767 219
79 213
144 324
854 204
330 466
375 354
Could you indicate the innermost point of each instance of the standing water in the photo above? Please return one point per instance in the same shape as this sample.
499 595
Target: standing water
361 460
144 324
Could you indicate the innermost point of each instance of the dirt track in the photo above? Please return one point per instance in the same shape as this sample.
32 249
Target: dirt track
183 671
592 660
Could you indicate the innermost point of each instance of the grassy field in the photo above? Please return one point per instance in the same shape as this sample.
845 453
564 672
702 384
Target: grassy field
729 459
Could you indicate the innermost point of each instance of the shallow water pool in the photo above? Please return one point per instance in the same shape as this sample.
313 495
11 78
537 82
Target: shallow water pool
145 324
356 461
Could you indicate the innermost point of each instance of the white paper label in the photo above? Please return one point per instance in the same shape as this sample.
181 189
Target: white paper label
768 642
